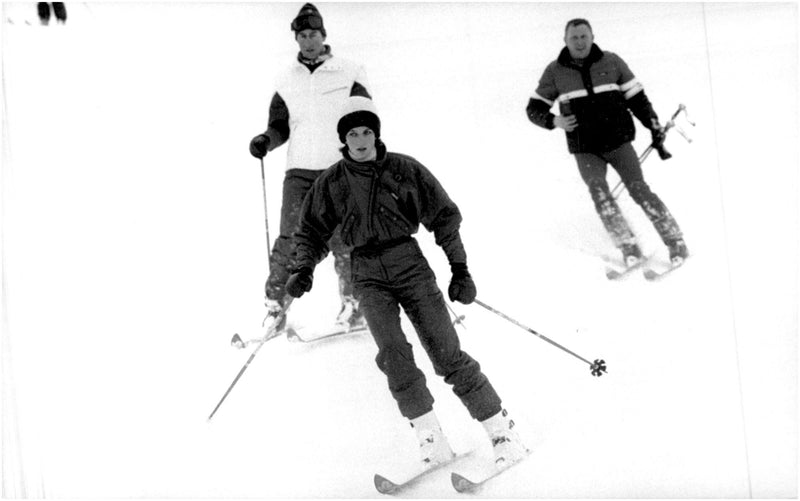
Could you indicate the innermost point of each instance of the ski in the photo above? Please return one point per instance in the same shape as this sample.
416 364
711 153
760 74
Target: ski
386 486
271 331
238 342
613 273
615 270
464 485
652 275
292 334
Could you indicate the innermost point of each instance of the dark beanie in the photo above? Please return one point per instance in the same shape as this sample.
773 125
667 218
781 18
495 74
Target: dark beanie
308 18
358 111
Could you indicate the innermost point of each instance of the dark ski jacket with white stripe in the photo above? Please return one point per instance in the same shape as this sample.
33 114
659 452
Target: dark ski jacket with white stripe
376 203
599 93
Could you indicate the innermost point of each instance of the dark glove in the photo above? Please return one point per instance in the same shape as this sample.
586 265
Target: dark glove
300 282
259 145
659 134
462 288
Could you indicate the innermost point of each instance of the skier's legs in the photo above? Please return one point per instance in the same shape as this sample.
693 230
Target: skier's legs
397 275
431 320
296 184
625 162
350 316
43 9
423 302
60 11
341 263
395 356
593 170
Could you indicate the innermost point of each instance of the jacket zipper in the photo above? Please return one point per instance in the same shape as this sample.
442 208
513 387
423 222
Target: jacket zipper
371 202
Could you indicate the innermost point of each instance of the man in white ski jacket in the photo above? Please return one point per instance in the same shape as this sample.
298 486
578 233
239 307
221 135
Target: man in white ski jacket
304 112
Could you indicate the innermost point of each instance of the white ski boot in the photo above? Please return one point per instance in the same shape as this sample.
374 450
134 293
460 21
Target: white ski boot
678 252
349 318
433 445
274 312
508 448
631 254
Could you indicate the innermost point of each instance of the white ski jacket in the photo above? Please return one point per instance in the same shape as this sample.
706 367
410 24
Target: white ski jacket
312 102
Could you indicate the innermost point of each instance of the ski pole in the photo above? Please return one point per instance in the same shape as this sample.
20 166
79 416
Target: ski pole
598 367
266 219
619 187
271 333
662 152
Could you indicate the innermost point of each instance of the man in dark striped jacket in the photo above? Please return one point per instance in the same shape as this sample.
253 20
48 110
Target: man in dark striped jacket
596 93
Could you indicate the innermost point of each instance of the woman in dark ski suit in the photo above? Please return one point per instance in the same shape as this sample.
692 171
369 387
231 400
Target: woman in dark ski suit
380 198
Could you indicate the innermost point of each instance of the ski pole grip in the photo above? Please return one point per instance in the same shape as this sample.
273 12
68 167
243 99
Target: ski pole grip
662 151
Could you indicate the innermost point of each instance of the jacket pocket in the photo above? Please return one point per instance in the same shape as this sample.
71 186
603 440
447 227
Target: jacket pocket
336 89
348 224
394 222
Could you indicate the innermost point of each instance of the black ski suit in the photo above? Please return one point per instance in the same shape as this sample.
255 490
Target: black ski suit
380 204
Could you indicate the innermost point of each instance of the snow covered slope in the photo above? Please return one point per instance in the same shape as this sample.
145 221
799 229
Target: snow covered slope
134 247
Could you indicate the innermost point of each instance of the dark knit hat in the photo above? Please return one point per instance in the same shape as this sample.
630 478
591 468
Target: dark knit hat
308 18
358 111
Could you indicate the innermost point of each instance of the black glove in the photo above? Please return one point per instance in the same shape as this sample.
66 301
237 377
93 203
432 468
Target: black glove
259 145
659 134
300 282
462 288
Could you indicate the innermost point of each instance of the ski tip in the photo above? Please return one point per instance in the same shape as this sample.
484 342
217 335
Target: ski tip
384 485
236 341
461 483
651 275
613 274
291 334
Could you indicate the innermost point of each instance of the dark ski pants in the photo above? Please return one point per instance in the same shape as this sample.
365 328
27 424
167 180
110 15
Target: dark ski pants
283 257
399 276
593 168
43 9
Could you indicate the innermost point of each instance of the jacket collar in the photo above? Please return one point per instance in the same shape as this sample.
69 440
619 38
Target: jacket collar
327 54
595 54
372 165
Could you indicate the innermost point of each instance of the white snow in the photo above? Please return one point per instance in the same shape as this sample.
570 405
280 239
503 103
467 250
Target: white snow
134 247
